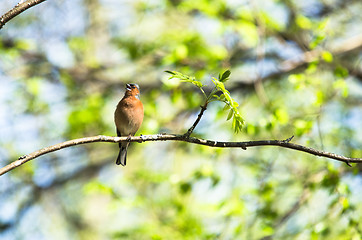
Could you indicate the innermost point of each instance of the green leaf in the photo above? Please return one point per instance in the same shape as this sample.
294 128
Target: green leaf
170 72
234 123
226 107
231 104
225 76
231 113
185 78
222 98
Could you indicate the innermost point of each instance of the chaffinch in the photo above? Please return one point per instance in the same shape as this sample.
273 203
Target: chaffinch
128 118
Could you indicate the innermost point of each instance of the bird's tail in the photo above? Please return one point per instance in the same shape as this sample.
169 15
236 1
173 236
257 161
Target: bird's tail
122 155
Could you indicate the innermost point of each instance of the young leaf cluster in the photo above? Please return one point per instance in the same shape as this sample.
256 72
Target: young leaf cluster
218 93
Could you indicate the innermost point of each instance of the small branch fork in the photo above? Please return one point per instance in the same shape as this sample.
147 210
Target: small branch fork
19 8
175 137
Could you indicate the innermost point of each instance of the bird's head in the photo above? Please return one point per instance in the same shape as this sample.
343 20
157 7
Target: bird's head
132 89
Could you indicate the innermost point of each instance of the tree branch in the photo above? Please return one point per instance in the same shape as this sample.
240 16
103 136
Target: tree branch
19 8
175 137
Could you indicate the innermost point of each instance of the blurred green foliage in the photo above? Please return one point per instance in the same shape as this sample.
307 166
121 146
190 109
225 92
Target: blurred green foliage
295 71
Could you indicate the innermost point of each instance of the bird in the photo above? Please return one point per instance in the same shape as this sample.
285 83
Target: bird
128 118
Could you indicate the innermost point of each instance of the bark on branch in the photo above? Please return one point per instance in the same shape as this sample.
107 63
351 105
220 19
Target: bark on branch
175 137
19 8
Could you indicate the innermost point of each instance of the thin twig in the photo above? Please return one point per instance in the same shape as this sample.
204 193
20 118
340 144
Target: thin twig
19 8
191 129
175 137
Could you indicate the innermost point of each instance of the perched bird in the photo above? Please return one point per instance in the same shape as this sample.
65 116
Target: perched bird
128 118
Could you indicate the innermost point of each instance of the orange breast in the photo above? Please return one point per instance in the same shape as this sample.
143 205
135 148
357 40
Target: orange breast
128 116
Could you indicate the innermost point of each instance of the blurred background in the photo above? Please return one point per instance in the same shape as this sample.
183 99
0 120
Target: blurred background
296 69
